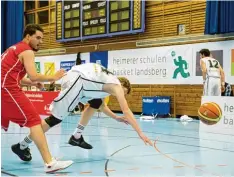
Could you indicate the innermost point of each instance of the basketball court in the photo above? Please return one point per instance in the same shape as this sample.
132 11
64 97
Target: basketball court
178 150
172 58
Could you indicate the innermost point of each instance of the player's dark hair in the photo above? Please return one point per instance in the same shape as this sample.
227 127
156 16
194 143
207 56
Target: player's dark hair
78 59
31 29
205 52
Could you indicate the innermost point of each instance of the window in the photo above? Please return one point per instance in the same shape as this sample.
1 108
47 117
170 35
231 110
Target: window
30 18
43 3
29 5
35 14
43 17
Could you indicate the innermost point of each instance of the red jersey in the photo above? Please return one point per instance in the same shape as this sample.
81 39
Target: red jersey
12 70
16 107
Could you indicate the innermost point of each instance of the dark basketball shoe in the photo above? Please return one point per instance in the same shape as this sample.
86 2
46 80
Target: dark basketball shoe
79 142
24 155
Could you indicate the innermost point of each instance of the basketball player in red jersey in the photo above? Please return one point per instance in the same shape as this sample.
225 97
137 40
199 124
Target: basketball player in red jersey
16 62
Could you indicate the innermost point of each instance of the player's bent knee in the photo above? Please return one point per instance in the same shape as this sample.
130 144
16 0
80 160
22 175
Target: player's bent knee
52 121
95 103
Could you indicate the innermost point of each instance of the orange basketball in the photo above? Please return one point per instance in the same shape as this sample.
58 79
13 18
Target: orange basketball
210 113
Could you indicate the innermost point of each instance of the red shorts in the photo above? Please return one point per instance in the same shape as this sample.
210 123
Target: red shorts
16 107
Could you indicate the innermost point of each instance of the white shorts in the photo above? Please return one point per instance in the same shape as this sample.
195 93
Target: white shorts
212 86
79 89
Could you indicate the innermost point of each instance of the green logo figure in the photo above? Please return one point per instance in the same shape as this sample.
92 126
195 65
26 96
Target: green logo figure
38 67
182 66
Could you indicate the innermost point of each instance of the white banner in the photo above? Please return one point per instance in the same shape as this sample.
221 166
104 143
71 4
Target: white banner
171 64
222 131
178 64
153 65
51 64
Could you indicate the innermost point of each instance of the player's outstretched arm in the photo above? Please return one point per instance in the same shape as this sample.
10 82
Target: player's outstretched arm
116 90
106 110
27 82
27 58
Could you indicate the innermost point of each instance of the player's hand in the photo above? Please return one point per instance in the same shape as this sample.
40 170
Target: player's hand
59 74
222 88
145 139
81 107
40 85
121 119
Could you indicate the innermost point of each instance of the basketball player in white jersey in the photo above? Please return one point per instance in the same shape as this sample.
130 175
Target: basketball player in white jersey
89 83
213 74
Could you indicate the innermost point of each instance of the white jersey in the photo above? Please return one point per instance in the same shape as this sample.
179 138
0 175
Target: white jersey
90 71
212 67
212 85
81 84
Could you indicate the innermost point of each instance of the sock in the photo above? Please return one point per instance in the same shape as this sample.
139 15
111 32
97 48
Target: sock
25 143
78 131
52 162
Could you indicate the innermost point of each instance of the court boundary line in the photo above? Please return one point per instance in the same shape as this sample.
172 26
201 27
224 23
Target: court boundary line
36 167
190 137
107 161
152 132
181 152
195 121
197 139
7 173
185 164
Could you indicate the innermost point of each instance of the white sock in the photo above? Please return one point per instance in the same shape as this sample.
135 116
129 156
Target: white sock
53 160
78 131
25 143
